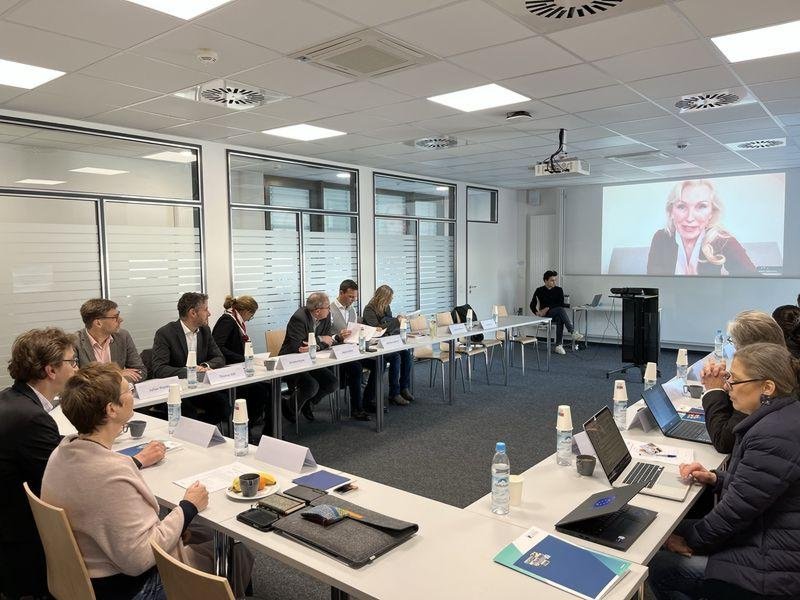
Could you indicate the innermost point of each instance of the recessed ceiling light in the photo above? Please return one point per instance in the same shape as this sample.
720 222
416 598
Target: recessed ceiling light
98 171
25 76
183 156
442 188
479 98
343 175
303 132
40 181
760 43
183 9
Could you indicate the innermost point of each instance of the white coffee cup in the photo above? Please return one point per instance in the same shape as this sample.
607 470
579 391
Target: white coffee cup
515 484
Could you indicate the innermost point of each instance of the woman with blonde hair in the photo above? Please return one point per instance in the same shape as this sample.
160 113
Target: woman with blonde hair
693 242
378 313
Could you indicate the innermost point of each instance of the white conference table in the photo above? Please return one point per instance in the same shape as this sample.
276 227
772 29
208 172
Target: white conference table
450 557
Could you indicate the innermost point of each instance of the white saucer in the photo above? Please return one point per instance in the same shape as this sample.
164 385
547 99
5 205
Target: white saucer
268 490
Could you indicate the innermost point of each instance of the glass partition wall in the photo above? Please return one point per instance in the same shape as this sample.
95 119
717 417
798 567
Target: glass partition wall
294 230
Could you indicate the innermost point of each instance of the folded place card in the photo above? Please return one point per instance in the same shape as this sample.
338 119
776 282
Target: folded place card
225 374
154 388
582 444
457 328
198 433
638 415
390 342
488 324
285 455
345 351
292 361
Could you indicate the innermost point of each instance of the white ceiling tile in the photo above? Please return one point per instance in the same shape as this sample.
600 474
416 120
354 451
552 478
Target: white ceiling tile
491 134
742 125
394 149
726 113
136 119
146 73
645 125
746 136
7 92
375 12
204 131
182 108
777 90
790 120
283 25
665 135
80 87
618 114
675 58
525 142
558 81
461 122
715 17
768 69
255 140
613 95
430 80
180 47
589 133
524 57
690 82
292 77
553 124
298 110
108 22
357 96
250 120
44 49
634 31
398 133
466 26
348 142
784 107
413 110
352 122
607 142
61 106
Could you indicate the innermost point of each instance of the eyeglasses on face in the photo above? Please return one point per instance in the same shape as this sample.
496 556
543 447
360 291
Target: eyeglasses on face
730 382
72 361
115 317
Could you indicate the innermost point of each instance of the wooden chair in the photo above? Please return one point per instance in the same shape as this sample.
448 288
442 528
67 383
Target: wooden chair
521 339
465 347
274 341
182 582
67 577
419 324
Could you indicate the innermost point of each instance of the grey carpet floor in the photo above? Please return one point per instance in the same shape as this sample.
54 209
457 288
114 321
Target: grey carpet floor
444 451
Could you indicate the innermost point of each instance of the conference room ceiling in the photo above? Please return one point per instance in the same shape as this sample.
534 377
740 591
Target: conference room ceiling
611 80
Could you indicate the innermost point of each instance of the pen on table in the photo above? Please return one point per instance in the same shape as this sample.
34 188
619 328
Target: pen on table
667 455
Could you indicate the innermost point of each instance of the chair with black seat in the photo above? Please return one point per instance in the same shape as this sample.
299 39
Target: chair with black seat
465 347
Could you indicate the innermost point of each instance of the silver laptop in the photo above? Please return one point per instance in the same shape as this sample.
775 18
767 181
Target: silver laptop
660 479
595 301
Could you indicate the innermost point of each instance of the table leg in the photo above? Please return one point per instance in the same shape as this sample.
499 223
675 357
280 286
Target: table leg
549 333
221 553
507 349
335 412
451 371
232 403
277 416
379 362
339 594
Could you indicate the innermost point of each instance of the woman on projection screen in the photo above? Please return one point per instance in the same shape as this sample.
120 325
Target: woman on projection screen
694 242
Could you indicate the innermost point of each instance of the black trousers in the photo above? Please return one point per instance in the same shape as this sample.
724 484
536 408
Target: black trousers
313 386
23 570
209 408
259 404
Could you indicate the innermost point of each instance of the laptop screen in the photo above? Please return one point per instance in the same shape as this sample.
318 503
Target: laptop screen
660 405
607 443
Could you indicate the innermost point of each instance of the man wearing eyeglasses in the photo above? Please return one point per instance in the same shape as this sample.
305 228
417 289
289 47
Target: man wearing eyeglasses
103 340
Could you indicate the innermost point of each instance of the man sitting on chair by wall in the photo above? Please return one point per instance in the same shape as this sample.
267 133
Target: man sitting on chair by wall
549 299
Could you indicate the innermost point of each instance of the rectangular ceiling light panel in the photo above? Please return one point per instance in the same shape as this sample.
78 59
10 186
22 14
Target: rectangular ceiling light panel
24 76
479 98
98 171
303 132
760 43
183 9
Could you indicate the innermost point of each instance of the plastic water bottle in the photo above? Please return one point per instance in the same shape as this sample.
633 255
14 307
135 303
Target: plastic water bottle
650 375
173 407
719 343
469 319
249 369
495 314
191 369
564 436
362 341
403 330
620 404
241 428
682 365
432 326
501 470
312 346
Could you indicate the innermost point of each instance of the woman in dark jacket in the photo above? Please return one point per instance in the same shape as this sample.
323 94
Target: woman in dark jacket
378 313
748 546
230 333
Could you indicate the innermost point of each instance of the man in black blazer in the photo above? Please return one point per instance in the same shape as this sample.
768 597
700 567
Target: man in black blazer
41 362
171 346
313 386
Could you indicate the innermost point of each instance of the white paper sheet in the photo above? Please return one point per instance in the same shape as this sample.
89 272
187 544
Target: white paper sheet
217 479
659 453
370 333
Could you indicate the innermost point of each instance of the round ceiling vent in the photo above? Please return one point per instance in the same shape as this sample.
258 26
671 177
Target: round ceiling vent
758 144
233 96
569 9
697 102
436 142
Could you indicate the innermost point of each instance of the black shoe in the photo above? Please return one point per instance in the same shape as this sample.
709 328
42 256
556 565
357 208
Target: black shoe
360 415
286 409
406 393
307 411
399 400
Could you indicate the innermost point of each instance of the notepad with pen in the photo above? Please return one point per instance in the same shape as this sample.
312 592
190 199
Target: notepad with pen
321 480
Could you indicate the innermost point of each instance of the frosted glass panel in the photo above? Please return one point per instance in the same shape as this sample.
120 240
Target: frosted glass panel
436 266
481 205
396 261
330 252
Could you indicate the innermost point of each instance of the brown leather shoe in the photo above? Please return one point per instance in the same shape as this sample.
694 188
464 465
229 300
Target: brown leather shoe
407 395
399 400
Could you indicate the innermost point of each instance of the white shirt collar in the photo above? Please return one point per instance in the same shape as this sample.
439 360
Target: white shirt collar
186 330
46 404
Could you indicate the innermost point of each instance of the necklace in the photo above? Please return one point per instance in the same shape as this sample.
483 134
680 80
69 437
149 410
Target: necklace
88 439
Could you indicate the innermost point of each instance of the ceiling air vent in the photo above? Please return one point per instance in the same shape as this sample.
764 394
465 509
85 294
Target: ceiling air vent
438 142
366 53
548 16
236 96
569 9
758 144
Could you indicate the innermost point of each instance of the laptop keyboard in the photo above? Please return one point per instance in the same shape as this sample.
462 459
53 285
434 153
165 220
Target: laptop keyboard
646 473
598 525
689 429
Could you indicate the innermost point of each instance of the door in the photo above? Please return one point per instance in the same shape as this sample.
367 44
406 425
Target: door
483 286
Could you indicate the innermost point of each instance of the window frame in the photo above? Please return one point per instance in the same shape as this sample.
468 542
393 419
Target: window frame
495 200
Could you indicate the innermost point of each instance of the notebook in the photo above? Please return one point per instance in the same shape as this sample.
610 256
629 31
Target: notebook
134 450
321 480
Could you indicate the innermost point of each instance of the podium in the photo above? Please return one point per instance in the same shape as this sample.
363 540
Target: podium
641 336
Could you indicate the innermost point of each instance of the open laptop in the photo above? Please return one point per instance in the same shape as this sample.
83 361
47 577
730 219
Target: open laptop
595 301
668 419
606 518
660 480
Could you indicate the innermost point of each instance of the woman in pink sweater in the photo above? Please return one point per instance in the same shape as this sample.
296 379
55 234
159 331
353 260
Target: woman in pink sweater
113 513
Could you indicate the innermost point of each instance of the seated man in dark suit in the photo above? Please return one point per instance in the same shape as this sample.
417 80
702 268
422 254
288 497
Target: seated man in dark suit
104 341
313 386
171 346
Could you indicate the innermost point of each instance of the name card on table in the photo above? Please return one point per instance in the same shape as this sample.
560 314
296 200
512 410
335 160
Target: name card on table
225 374
153 388
291 361
285 455
488 324
345 351
457 328
390 342
198 433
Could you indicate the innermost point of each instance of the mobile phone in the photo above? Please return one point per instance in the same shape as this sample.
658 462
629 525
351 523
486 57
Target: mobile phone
258 517
283 505
305 493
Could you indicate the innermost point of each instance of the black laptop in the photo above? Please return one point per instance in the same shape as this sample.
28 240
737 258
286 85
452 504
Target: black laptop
668 419
606 518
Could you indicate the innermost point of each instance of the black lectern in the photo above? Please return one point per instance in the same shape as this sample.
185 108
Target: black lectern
641 337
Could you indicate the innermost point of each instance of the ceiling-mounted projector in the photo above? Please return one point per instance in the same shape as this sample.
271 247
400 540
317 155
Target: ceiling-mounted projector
559 163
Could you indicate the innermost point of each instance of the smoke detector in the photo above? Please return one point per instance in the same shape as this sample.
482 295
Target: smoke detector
437 142
704 101
207 56
518 115
232 95
758 144
569 9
